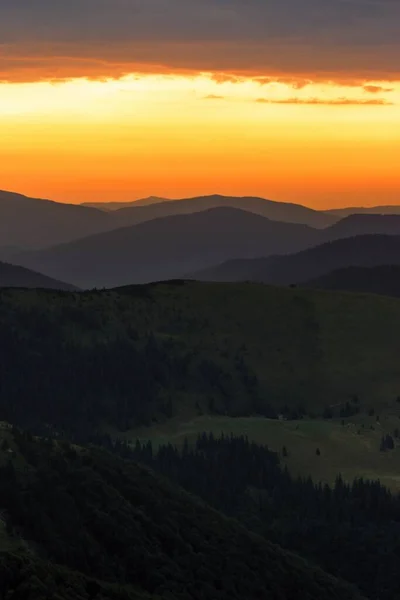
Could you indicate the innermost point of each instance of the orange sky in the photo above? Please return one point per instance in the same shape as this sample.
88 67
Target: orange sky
175 136
121 99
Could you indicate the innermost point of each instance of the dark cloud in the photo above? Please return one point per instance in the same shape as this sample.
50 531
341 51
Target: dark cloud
293 37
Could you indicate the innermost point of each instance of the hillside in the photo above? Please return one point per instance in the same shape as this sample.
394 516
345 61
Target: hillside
23 575
383 280
336 527
142 355
14 276
360 251
110 519
168 248
276 211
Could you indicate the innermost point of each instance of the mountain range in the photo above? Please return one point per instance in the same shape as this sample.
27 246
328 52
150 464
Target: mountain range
389 209
363 250
157 239
167 248
31 223
112 206
276 211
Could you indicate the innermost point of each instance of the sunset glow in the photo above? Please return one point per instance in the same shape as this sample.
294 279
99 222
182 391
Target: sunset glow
177 135
124 99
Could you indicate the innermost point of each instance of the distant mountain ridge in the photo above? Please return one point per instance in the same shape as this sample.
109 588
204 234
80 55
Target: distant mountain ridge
14 276
155 240
35 223
362 224
169 247
355 210
360 251
32 223
276 211
113 206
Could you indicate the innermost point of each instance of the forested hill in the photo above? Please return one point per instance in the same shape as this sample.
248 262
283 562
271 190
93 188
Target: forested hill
351 531
123 358
114 521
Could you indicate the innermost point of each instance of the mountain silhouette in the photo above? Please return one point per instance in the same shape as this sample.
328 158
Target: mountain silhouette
14 276
277 211
113 206
34 223
373 210
167 248
362 224
365 251
383 280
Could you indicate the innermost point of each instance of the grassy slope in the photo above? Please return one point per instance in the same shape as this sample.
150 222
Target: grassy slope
136 529
352 450
313 348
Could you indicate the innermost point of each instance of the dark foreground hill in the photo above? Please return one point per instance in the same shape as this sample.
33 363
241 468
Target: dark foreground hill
168 248
13 276
360 251
123 358
139 536
383 280
340 528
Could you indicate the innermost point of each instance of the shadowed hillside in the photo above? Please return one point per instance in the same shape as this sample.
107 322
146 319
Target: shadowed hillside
383 280
362 251
13 276
144 354
168 248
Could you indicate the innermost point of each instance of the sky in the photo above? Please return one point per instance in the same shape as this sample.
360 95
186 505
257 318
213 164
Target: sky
293 100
